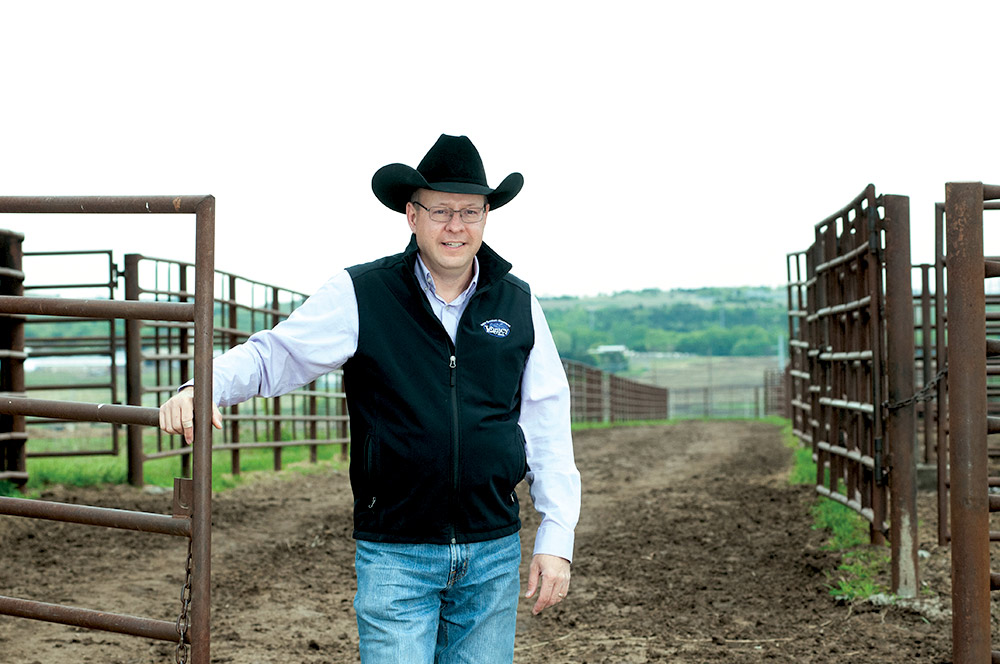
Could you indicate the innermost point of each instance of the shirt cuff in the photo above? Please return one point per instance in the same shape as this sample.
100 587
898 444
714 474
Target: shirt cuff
554 540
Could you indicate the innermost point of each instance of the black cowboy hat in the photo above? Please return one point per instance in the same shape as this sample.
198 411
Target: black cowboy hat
452 165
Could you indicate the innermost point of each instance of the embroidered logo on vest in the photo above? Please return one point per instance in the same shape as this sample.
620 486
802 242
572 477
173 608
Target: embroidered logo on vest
496 327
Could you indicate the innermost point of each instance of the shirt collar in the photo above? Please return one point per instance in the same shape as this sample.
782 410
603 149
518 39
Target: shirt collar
426 279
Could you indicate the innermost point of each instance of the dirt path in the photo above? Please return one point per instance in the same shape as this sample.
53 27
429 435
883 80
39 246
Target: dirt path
692 548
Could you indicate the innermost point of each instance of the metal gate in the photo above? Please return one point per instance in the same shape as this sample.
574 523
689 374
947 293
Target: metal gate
851 375
192 498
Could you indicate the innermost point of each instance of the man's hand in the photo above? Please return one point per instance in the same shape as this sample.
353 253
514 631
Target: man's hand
177 415
553 574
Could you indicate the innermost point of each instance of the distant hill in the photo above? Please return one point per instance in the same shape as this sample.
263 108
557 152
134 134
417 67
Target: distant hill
743 321
649 297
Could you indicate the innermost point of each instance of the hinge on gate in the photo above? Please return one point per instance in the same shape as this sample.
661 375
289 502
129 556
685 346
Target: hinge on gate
881 471
183 497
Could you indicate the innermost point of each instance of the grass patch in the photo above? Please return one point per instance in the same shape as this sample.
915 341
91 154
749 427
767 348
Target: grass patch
858 574
97 470
862 564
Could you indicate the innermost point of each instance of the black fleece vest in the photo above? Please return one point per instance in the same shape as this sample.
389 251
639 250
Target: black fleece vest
436 449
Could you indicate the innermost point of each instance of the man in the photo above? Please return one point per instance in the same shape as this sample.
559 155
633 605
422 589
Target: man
455 392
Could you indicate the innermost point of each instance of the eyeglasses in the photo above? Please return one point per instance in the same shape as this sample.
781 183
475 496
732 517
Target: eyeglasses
443 215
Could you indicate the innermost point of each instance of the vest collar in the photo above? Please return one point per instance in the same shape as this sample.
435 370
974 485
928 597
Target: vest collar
492 267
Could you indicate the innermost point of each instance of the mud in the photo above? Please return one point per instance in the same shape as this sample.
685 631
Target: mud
692 547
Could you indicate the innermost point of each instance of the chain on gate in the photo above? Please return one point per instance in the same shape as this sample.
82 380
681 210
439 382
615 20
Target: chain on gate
926 393
184 619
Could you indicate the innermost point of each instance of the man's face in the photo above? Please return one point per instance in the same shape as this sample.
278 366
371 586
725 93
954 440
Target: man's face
447 248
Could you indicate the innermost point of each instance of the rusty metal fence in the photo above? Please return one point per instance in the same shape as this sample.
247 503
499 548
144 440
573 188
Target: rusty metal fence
722 401
192 511
101 351
157 359
851 368
954 349
598 396
160 360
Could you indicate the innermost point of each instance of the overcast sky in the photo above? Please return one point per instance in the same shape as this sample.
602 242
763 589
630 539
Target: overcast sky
663 144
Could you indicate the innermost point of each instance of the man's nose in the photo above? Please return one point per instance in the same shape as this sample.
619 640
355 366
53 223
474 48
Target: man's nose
455 223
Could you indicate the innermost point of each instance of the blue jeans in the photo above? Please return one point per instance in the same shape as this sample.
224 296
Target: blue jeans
437 603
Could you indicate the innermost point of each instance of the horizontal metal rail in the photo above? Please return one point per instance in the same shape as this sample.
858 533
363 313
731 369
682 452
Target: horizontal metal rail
101 204
867 512
844 258
269 445
853 455
847 356
832 310
109 622
81 411
858 406
70 453
286 418
96 516
59 306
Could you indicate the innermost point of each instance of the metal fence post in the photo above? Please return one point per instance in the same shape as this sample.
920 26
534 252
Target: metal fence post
901 421
970 553
232 340
13 433
201 522
606 414
133 371
928 368
941 393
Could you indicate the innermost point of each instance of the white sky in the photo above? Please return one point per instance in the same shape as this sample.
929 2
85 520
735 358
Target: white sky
663 144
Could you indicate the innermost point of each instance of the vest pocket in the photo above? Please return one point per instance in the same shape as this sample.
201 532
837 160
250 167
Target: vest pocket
522 450
371 470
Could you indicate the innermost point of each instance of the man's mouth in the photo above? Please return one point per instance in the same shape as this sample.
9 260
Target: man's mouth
453 244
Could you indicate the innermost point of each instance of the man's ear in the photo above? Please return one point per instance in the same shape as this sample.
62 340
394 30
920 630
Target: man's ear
411 216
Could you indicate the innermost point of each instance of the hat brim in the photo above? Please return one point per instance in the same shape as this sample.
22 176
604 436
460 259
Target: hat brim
394 185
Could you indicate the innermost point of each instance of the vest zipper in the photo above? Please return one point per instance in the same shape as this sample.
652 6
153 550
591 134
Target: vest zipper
454 440
454 424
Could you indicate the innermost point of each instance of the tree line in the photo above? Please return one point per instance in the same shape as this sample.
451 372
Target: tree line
707 321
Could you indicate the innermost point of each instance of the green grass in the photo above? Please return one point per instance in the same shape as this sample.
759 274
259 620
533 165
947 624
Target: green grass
862 564
96 470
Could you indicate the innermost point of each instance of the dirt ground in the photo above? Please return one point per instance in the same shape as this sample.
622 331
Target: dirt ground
692 547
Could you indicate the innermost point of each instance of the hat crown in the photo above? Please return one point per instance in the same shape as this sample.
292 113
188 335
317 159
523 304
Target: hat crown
453 159
452 165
